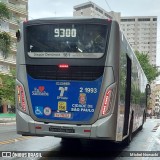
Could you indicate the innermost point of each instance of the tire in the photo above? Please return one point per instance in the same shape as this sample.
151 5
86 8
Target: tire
143 120
129 138
70 140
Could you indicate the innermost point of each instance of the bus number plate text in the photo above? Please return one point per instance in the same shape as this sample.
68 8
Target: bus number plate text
62 115
60 129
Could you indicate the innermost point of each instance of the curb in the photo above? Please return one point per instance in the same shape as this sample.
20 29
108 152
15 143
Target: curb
7 119
10 123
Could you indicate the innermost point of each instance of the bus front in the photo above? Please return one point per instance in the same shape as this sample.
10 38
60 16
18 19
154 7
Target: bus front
64 87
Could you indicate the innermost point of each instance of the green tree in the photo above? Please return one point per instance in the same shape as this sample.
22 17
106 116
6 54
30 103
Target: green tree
4 12
5 39
7 89
150 71
5 43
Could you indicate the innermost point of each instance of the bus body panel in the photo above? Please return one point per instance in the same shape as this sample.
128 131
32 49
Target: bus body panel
108 79
75 100
20 56
138 82
102 129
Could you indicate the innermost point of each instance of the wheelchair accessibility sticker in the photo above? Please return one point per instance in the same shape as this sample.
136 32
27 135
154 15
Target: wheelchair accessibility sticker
38 110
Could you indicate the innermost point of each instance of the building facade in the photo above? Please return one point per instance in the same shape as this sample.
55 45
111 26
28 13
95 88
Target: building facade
18 12
141 32
158 78
93 10
155 100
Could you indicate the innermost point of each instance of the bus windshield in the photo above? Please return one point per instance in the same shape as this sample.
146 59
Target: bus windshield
72 38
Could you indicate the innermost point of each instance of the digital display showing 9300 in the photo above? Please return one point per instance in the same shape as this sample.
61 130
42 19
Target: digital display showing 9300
66 37
65 32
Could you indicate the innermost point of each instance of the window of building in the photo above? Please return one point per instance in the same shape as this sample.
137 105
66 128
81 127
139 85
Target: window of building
81 12
143 19
107 15
127 20
84 7
99 10
154 19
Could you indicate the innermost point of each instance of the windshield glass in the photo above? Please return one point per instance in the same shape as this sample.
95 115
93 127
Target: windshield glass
72 38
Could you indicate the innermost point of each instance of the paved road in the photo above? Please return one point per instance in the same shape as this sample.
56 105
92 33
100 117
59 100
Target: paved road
146 140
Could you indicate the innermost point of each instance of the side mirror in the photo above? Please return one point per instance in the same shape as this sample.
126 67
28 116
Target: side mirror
148 89
18 35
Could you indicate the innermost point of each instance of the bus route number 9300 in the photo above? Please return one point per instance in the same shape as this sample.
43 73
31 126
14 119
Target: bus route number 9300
62 32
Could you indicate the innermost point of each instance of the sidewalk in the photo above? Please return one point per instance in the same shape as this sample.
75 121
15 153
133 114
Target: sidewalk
7 118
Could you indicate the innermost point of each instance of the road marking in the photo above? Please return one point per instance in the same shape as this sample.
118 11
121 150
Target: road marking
15 140
157 140
155 128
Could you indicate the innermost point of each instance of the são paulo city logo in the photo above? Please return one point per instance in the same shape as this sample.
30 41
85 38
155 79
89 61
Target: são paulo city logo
40 91
82 98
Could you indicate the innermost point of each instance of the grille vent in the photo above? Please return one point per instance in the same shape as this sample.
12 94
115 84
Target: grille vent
82 73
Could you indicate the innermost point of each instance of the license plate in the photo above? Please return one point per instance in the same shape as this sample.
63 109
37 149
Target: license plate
62 106
62 115
60 129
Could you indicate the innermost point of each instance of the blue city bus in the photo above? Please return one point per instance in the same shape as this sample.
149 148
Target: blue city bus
78 78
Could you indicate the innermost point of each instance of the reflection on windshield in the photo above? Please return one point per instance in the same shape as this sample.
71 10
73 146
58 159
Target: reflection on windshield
84 38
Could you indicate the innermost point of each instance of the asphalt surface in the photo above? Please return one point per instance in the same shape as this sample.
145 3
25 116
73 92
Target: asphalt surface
7 121
54 148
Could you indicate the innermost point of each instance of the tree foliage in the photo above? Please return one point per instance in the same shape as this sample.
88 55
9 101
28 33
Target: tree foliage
4 12
7 89
7 85
150 71
5 39
5 42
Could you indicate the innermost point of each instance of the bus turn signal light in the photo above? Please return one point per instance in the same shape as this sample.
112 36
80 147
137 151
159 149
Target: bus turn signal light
106 100
21 98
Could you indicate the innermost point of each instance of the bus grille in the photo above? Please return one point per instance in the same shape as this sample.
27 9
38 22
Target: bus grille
82 73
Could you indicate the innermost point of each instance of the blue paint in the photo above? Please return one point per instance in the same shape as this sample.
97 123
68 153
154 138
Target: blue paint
77 98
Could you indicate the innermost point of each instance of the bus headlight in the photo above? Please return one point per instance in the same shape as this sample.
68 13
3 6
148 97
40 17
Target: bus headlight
21 99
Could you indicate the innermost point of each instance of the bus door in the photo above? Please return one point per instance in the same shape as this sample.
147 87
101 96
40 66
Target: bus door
127 97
